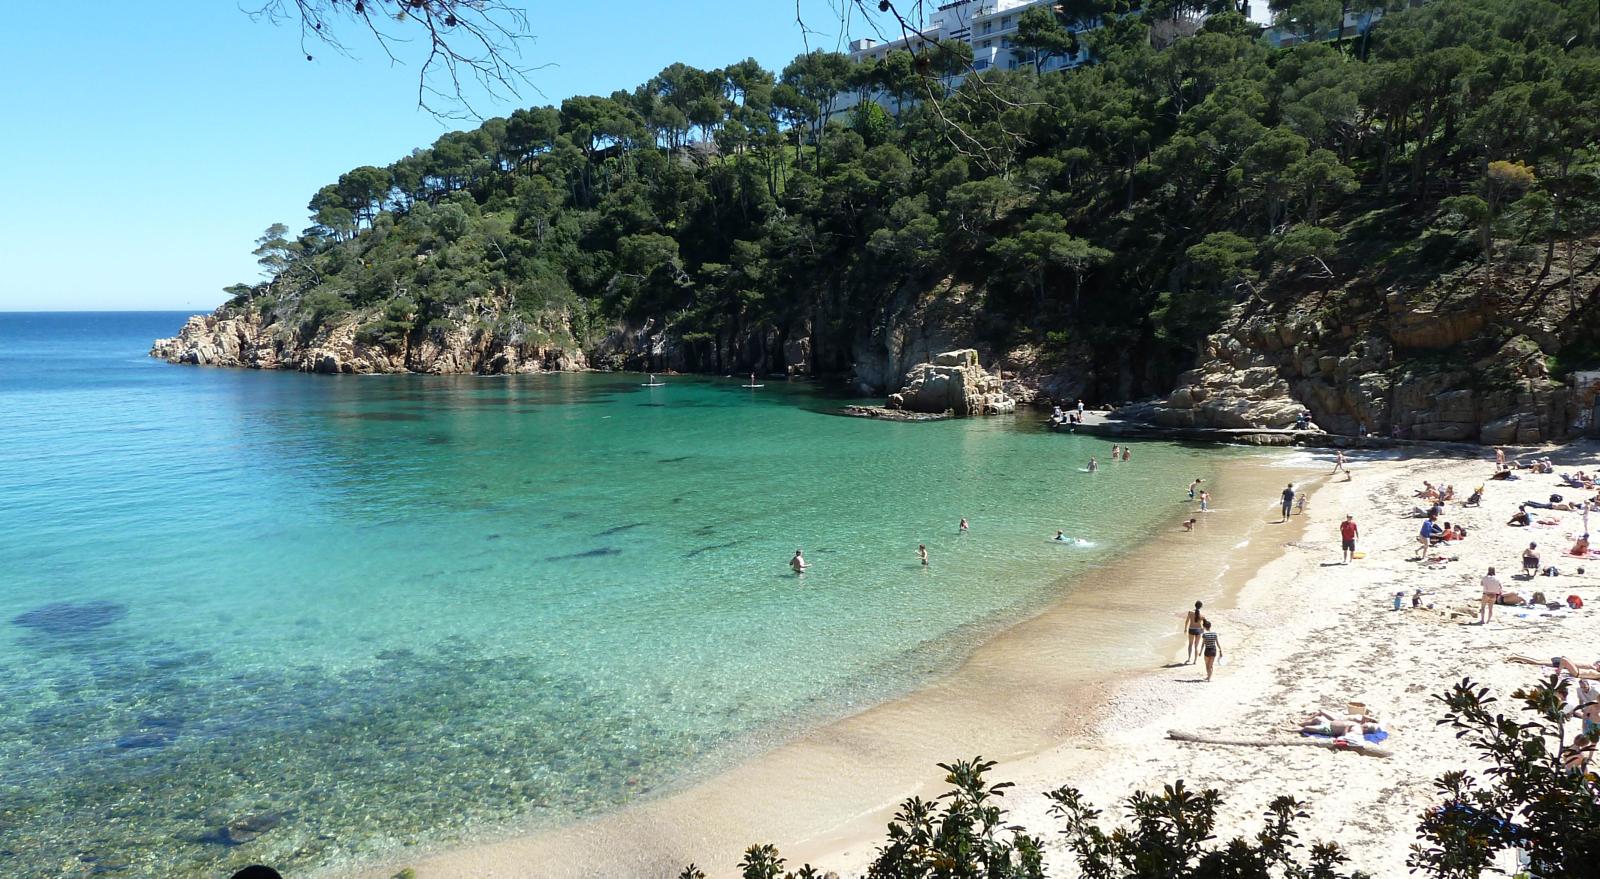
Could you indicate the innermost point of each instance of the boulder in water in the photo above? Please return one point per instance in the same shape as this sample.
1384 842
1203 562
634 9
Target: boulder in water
66 618
953 382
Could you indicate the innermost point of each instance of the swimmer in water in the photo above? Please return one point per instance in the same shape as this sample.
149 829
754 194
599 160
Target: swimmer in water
798 563
922 553
1093 465
1126 454
964 524
1116 451
1061 536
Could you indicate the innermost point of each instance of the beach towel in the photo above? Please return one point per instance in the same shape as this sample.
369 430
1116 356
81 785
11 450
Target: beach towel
1371 738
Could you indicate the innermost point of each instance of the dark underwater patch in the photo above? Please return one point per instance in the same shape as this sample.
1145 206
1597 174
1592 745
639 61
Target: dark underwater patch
67 618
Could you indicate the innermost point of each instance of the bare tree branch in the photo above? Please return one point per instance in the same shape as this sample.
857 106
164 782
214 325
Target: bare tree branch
465 41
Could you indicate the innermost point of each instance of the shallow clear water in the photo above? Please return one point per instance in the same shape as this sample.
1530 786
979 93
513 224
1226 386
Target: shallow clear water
344 613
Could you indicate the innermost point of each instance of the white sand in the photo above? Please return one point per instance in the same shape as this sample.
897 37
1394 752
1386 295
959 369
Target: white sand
1308 633
1299 632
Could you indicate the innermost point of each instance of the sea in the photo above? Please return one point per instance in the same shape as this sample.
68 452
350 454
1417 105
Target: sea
310 620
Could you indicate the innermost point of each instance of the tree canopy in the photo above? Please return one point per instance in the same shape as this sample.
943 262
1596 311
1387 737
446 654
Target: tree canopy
1116 209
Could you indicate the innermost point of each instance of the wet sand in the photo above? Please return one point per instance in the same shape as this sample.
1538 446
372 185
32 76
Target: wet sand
1041 686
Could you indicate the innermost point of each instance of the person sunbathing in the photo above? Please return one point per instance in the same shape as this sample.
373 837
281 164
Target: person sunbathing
1563 664
1449 493
1476 497
1581 548
1339 727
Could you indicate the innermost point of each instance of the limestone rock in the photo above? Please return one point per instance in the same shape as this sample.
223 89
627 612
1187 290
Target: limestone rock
955 382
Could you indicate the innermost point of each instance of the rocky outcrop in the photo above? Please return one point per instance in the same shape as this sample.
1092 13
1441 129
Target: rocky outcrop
250 338
1457 360
953 382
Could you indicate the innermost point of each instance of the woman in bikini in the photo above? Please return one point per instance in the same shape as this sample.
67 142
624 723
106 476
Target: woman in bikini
1193 623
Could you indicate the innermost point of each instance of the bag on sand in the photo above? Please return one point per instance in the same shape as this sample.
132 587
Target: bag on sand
1574 602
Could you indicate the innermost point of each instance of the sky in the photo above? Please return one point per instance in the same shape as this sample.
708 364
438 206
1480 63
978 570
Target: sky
145 150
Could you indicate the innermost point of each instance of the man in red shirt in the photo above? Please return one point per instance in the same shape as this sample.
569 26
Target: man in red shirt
1348 532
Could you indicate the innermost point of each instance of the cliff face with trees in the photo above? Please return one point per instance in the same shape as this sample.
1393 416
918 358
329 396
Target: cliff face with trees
1102 230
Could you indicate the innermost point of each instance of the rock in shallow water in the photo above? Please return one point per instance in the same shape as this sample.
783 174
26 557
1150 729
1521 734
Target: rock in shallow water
67 618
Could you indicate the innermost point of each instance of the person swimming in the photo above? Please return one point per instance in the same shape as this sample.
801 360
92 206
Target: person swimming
964 528
1093 465
798 563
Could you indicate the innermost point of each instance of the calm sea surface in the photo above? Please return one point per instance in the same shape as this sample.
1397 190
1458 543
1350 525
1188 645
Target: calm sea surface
252 616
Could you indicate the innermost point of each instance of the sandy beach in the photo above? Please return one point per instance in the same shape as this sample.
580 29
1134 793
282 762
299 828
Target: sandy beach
1085 692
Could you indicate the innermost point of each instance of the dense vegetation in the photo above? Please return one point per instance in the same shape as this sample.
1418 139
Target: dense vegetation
1107 215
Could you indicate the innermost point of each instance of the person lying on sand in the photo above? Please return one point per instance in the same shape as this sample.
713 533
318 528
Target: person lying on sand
1339 727
1563 664
1428 491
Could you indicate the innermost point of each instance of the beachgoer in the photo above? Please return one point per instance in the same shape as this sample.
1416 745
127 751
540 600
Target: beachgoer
1347 538
1338 727
1061 536
1211 646
1530 560
922 553
798 563
1288 501
1116 451
1300 504
1093 465
1581 547
1361 430
1193 486
1492 590
1193 623
1520 518
1338 461
1399 600
1126 454
1499 458
964 528
1080 409
1476 497
1427 536
1205 501
1416 598
1189 525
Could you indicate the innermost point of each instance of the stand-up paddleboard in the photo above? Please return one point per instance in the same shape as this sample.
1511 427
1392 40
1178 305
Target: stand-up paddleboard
752 386
753 383
652 383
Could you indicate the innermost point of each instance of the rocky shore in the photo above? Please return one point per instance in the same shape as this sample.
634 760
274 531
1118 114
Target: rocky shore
251 339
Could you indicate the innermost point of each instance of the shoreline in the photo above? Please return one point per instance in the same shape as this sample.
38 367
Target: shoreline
825 795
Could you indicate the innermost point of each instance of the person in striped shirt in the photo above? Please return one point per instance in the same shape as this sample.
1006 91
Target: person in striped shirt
1211 647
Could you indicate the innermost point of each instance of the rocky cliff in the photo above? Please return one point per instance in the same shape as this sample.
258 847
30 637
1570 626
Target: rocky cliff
953 382
1466 356
249 337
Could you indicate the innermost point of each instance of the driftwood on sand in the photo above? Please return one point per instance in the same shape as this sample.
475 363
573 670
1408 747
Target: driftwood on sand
1331 744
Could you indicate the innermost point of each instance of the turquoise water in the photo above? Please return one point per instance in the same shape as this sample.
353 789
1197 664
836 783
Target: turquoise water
345 613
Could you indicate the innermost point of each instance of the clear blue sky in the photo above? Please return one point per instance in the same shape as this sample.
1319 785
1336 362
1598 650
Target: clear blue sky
146 149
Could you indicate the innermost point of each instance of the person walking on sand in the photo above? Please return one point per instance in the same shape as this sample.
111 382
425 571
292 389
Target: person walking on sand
1347 538
1492 588
1288 501
922 553
964 528
798 563
1193 623
1338 462
1211 647
1080 410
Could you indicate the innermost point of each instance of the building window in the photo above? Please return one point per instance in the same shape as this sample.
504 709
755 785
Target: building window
988 26
986 44
1005 22
980 64
1012 64
1005 42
